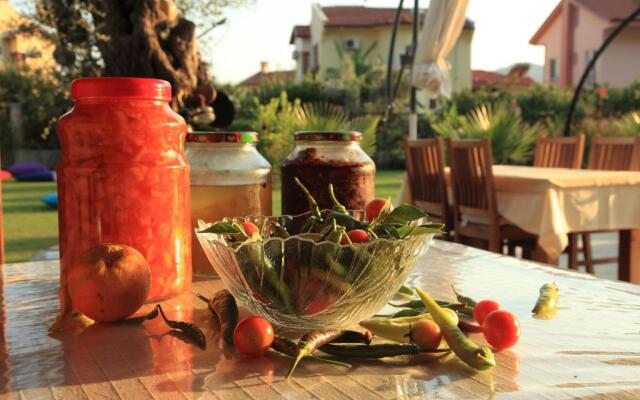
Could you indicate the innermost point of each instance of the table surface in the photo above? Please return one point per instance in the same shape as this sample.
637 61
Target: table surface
591 350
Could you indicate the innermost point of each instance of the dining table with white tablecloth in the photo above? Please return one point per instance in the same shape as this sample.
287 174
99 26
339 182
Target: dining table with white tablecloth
553 202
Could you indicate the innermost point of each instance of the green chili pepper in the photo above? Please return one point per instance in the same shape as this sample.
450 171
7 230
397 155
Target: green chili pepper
289 348
405 291
310 342
477 357
223 306
376 350
188 329
464 299
547 302
336 204
313 204
348 221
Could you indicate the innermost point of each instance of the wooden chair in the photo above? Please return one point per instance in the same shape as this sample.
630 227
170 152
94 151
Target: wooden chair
610 154
426 178
1 230
559 152
475 210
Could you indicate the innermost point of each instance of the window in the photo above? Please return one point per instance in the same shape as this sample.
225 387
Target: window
553 70
588 56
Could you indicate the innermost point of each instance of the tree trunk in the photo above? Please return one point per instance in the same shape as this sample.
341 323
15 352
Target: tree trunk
147 38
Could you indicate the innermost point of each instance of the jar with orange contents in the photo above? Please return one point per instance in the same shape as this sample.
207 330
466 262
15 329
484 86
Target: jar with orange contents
123 178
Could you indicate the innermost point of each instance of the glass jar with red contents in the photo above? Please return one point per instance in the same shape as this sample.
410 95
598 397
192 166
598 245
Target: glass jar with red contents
123 178
321 158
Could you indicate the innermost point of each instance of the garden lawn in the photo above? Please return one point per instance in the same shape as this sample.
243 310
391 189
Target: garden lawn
30 225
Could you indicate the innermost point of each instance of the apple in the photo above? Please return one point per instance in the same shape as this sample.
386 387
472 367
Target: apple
109 282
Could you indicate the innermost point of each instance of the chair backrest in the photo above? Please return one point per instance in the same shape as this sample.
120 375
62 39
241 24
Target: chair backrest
426 175
1 229
560 152
472 179
615 153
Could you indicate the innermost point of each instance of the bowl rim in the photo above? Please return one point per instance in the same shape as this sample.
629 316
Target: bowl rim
219 238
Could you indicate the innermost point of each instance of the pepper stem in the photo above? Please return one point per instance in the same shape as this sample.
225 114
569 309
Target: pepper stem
298 358
201 297
337 206
313 204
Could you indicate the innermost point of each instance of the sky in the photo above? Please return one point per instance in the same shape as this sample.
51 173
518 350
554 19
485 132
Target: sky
261 30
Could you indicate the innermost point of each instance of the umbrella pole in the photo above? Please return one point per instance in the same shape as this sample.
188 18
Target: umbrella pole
413 116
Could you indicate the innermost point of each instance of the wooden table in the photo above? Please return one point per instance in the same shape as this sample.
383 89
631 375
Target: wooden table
591 350
552 202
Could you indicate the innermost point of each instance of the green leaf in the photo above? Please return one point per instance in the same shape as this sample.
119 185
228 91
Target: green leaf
420 230
224 227
404 214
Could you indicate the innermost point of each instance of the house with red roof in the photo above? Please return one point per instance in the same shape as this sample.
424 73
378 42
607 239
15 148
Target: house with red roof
358 27
573 32
265 75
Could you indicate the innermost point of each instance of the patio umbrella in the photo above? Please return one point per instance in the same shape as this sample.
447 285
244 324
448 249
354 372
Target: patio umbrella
430 71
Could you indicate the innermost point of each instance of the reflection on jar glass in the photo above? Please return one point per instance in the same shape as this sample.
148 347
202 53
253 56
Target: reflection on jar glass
321 158
228 178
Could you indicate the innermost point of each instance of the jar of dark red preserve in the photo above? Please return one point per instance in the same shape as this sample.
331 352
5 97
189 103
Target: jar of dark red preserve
321 158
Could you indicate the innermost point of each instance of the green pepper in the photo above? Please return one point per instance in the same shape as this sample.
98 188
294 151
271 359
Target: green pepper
547 303
381 350
289 348
477 357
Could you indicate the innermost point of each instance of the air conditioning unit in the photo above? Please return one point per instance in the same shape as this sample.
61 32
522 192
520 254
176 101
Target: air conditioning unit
351 44
296 55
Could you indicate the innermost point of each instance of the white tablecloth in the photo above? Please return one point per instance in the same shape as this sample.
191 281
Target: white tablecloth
551 202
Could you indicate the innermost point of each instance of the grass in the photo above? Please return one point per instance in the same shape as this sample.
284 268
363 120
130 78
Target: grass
30 225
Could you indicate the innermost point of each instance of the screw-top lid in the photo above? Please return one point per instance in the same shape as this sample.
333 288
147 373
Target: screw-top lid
134 88
335 136
222 137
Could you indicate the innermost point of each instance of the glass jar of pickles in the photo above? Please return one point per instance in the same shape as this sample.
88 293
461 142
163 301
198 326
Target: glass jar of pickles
228 178
123 178
321 158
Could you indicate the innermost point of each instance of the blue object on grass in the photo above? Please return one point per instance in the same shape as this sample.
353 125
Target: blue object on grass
51 200
45 176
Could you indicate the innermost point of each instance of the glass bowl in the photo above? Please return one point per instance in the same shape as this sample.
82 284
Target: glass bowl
302 284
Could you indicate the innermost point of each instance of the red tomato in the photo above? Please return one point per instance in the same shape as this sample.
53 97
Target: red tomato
483 308
356 236
250 228
253 336
501 329
375 206
426 334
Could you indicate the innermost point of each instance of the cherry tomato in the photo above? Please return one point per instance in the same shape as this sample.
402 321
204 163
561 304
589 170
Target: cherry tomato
426 334
253 336
250 228
501 329
483 308
356 236
375 206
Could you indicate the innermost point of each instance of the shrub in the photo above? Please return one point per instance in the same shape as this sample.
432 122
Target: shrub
41 97
512 140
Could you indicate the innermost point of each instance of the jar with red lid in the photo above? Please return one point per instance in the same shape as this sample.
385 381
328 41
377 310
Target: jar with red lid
321 158
229 178
123 178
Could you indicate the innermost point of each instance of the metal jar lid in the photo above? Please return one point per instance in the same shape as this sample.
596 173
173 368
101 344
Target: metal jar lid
328 136
222 137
